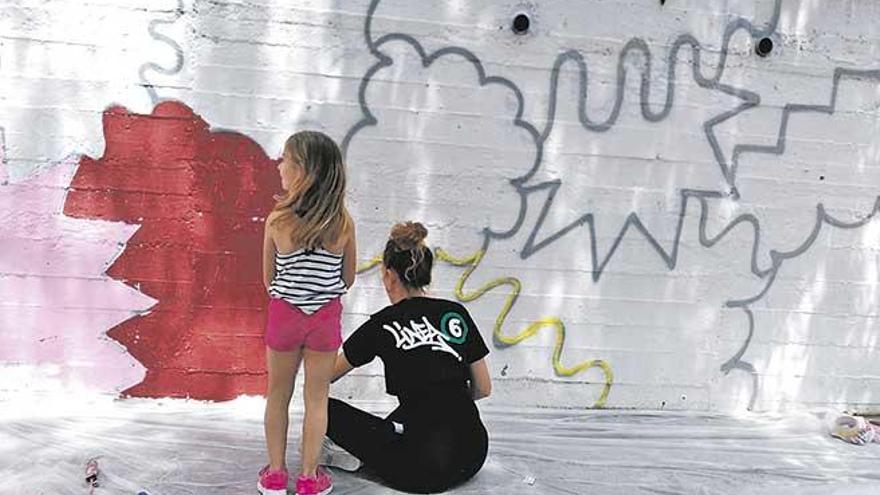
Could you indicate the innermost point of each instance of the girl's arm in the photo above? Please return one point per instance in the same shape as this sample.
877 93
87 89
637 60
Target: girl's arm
268 252
349 259
481 383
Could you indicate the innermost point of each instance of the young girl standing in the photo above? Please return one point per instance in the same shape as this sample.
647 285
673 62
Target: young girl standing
309 260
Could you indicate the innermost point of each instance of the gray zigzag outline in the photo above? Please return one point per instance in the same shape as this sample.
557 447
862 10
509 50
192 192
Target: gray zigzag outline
779 147
750 100
736 362
822 218
670 258
779 257
370 120
178 53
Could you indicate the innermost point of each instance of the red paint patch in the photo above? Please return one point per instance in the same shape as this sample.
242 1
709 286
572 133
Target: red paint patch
196 194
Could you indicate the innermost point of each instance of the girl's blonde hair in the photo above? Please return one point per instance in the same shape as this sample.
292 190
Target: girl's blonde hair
317 198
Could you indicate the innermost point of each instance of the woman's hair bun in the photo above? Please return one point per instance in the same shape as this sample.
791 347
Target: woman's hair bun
407 235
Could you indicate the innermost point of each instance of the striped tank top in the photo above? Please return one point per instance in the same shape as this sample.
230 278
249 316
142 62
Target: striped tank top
308 279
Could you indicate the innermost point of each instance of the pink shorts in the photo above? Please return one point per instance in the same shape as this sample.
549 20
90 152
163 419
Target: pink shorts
288 328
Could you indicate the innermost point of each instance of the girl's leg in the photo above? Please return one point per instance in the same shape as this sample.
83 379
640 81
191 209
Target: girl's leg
282 367
319 371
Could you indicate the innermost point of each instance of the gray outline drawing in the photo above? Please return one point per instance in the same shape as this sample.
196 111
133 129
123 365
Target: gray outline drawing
750 100
728 170
178 53
384 61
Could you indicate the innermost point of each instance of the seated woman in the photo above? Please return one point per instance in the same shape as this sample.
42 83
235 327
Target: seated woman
435 364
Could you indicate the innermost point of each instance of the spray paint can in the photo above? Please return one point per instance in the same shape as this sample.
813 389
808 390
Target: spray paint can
92 473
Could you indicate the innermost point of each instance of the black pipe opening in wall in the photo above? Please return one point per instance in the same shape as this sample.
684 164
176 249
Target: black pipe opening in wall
521 24
764 47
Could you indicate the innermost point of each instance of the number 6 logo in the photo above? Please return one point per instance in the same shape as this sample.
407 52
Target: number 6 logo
454 327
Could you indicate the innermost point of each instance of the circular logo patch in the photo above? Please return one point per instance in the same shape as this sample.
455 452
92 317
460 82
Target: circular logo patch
454 327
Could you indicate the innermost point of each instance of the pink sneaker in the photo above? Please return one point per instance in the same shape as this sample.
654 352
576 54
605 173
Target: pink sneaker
321 484
272 482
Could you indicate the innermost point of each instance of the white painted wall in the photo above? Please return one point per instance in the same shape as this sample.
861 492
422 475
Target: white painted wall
709 234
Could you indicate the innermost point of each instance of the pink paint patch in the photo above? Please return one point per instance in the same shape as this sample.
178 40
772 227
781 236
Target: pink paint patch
4 176
57 301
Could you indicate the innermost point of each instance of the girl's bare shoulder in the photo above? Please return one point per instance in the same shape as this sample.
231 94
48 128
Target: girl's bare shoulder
272 216
271 223
279 231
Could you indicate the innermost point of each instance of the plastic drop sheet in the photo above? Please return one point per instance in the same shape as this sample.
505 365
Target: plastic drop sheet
181 447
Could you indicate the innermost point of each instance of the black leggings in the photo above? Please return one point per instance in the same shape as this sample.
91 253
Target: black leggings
442 445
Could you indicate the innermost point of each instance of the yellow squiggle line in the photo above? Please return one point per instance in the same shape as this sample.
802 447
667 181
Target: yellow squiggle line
472 262
369 265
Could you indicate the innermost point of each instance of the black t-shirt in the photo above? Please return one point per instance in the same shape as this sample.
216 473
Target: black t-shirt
424 342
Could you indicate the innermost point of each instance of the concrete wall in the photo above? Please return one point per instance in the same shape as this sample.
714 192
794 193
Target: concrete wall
639 210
